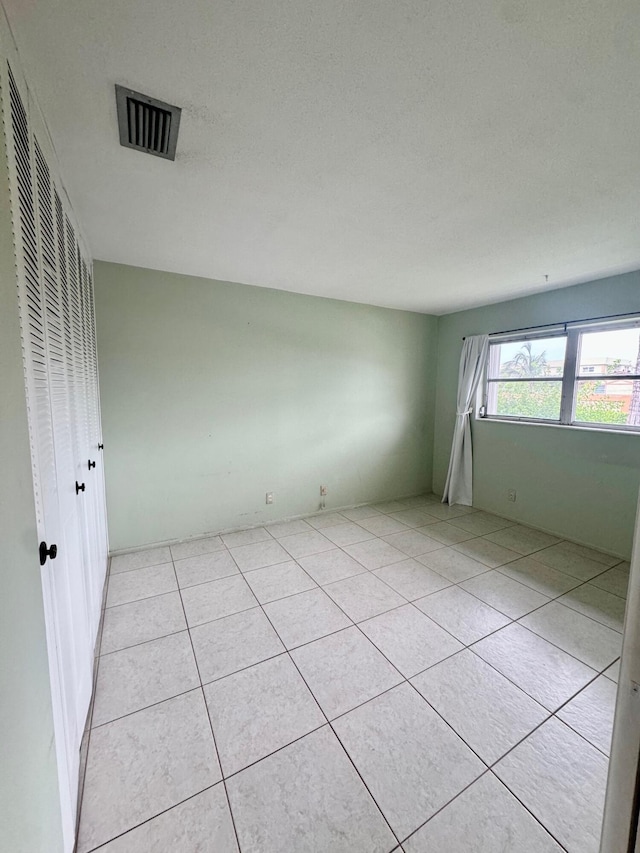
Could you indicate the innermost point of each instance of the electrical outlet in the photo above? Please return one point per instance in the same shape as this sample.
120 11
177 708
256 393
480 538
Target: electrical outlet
323 491
511 495
269 499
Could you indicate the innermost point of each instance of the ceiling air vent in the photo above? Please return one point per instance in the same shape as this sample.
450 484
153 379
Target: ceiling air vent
147 124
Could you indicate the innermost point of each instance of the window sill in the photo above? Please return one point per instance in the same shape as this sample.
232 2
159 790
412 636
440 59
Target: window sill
579 427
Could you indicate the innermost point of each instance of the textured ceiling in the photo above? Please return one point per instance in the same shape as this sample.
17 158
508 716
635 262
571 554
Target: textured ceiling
419 154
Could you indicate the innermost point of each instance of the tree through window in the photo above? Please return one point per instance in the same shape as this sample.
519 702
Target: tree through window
588 376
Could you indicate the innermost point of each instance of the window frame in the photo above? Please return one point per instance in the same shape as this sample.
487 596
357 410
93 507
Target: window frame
570 378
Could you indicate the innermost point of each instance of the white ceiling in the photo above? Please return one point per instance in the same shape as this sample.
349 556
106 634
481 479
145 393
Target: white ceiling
419 154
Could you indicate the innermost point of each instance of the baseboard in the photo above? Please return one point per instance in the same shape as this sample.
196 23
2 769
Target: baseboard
235 529
553 532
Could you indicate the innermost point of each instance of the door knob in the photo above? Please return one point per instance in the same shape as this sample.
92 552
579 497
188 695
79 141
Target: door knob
91 464
45 552
79 487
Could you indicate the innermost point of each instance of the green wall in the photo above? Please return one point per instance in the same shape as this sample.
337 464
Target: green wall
215 393
29 801
580 484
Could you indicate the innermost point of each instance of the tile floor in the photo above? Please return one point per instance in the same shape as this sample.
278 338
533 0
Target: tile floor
398 677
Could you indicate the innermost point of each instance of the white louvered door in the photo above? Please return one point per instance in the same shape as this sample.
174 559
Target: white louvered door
57 316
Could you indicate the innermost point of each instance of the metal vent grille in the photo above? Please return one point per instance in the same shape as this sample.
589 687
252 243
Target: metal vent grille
147 124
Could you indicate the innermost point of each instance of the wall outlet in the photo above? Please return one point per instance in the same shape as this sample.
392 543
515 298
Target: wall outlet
511 495
269 498
323 491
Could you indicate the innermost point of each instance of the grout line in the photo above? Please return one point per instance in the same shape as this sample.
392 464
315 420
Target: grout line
322 725
153 817
405 680
524 806
206 707
146 707
284 651
372 571
141 598
551 642
188 627
466 788
512 621
211 580
556 599
550 714
581 580
148 598
143 642
522 689
456 523
408 681
490 767
291 658
448 803
332 729
248 666
333 719
551 599
139 568
295 560
604 754
220 550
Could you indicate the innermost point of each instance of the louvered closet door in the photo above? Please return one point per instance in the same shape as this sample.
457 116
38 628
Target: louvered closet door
90 439
69 459
56 305
96 493
71 588
58 606
86 424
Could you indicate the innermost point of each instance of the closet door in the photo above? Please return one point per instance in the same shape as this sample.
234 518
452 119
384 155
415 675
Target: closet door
85 447
91 430
73 583
56 307
95 479
63 409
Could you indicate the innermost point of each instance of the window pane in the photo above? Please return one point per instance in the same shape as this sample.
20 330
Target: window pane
608 401
613 352
519 359
525 399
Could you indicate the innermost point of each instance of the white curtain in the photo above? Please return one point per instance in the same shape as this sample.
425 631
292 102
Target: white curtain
459 486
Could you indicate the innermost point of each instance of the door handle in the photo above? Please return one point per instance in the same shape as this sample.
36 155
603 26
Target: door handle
45 552
91 464
79 487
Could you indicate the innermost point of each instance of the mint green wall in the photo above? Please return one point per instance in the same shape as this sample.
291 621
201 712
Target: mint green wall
581 484
215 393
29 801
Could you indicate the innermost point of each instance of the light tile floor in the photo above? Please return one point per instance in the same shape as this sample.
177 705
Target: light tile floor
399 677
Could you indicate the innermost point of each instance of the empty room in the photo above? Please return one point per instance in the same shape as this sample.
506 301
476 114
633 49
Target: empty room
320 426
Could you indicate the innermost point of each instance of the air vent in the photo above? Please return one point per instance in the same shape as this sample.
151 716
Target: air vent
147 124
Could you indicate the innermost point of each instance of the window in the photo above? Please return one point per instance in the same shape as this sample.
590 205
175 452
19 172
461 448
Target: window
581 374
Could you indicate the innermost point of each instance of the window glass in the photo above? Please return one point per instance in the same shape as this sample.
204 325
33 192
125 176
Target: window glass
610 353
536 400
607 401
521 359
